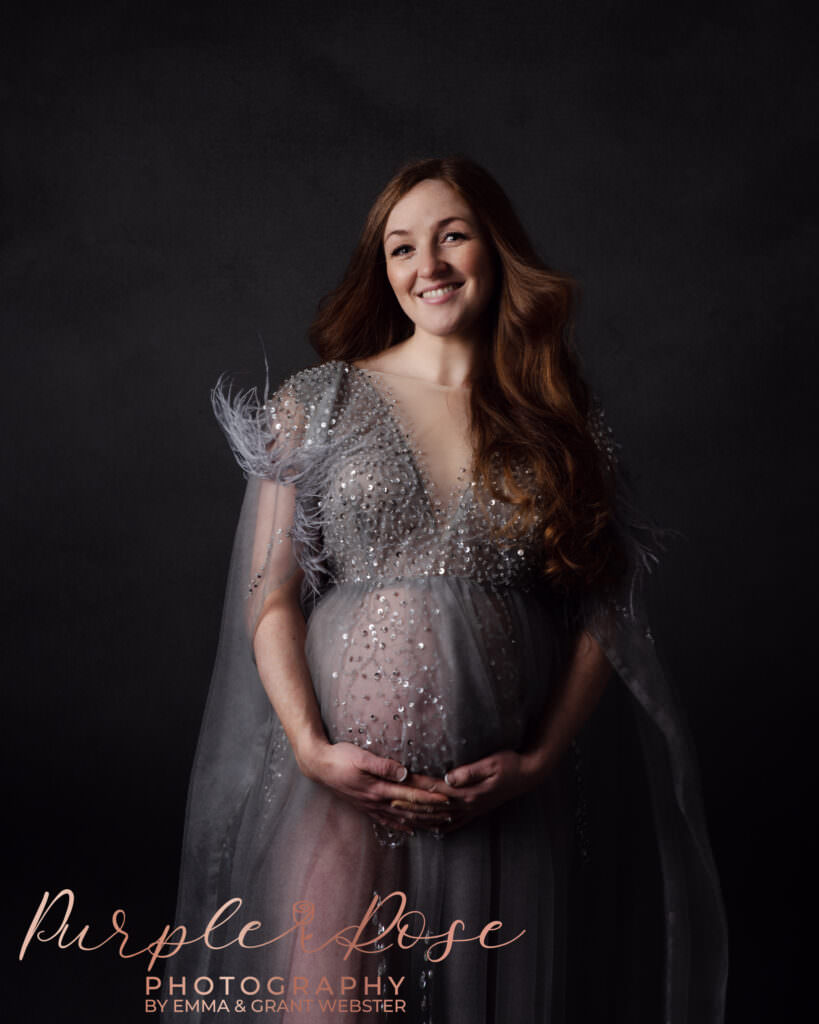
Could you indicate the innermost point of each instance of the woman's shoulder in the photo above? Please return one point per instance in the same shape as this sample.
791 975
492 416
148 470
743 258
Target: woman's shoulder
266 432
311 384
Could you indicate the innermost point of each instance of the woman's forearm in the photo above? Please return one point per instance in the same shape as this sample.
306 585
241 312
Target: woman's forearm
573 702
278 645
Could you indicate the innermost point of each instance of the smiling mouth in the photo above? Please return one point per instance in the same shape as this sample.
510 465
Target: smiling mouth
436 293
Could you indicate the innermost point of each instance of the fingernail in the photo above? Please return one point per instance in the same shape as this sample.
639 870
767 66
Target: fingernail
447 780
404 776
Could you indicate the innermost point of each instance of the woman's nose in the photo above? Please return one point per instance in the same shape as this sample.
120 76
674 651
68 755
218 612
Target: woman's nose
431 261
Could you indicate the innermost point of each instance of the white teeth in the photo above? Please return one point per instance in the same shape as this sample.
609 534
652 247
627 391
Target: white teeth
433 293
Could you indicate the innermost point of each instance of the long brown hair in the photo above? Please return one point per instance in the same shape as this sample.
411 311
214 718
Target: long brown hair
529 401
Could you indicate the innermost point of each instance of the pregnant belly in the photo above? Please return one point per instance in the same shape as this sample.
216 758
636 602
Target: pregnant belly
433 672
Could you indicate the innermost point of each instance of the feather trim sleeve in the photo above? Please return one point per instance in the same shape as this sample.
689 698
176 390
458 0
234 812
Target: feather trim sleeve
281 443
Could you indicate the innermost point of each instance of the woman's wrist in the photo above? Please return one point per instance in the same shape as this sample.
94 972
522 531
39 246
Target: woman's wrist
537 764
310 752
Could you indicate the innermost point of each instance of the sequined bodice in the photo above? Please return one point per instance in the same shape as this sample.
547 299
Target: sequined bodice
368 498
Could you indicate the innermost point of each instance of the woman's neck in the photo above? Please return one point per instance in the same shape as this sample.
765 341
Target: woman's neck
444 361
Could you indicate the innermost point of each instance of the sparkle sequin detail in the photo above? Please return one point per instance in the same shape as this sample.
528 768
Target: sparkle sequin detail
377 497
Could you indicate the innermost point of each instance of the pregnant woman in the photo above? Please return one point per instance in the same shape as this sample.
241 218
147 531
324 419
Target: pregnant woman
436 694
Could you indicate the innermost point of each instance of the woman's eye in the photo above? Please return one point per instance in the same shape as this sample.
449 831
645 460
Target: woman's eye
449 236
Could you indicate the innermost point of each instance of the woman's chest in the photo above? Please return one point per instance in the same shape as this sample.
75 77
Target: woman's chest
382 514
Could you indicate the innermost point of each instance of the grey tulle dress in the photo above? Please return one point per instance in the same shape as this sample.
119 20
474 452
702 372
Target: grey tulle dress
435 644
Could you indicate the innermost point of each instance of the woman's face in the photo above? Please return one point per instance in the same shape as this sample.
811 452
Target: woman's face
439 264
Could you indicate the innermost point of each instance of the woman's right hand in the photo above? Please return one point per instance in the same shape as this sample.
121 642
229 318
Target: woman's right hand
374 785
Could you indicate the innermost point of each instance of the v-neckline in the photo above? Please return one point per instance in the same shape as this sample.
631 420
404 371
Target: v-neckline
448 508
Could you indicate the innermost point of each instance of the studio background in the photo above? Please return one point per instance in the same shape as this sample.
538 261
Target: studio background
182 183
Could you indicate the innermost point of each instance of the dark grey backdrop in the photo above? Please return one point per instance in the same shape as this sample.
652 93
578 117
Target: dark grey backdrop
182 179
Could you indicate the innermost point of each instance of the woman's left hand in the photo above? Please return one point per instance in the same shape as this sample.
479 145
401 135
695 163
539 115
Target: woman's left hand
479 787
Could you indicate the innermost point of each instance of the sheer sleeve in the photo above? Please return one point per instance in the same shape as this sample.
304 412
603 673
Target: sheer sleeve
268 440
278 443
281 445
694 935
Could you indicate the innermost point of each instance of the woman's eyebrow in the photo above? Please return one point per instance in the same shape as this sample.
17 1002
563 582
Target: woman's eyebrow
440 224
